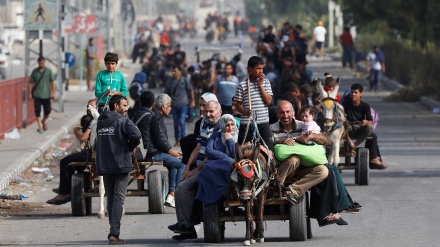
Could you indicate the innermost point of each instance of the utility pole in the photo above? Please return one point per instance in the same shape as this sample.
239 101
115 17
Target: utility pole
331 20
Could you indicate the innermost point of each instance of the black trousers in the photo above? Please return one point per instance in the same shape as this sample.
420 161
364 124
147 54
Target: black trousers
67 171
324 198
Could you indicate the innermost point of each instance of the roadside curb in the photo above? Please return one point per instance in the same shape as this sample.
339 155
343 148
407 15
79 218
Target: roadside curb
8 175
396 86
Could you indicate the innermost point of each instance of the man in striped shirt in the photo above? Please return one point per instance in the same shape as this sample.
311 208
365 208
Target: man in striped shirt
254 94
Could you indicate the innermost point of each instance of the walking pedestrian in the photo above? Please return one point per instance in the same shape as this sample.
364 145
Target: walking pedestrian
375 66
90 62
319 33
179 88
346 40
118 136
42 89
224 88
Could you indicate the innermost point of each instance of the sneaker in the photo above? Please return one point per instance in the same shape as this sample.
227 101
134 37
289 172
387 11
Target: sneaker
169 201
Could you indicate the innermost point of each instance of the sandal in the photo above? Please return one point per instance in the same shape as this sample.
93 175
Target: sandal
332 219
351 210
59 201
377 163
290 196
357 206
352 153
45 126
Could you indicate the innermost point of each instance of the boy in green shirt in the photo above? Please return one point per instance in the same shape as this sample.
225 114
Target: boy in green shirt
109 82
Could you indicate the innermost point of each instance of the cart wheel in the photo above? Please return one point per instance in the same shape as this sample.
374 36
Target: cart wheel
309 226
362 170
212 228
156 202
80 204
298 221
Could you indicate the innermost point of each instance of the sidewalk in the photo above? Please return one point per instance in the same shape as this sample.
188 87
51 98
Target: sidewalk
17 155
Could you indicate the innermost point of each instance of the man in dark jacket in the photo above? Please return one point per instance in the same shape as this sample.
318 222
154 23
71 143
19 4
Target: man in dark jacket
117 138
155 138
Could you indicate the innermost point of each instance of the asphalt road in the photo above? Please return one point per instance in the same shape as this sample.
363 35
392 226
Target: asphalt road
401 203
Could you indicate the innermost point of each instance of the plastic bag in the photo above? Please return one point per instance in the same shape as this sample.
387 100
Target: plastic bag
13 135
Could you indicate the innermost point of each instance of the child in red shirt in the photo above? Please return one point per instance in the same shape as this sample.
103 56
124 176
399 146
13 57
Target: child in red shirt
329 85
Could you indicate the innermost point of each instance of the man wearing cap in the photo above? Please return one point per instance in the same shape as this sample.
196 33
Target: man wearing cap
319 33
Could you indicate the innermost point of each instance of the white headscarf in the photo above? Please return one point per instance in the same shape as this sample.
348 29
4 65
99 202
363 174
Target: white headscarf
222 123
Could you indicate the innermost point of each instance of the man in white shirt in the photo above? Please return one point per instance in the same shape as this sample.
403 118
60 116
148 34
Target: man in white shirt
375 66
319 33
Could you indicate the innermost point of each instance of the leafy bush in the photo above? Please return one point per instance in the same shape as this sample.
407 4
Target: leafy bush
407 62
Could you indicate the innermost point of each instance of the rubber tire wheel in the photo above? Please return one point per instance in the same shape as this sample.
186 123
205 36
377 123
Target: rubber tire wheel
298 221
362 173
309 226
81 205
212 228
156 202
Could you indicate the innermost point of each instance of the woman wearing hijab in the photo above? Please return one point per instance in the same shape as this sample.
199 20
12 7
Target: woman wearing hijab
220 152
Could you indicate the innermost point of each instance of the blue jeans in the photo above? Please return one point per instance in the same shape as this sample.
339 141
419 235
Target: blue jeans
347 56
179 117
374 79
175 169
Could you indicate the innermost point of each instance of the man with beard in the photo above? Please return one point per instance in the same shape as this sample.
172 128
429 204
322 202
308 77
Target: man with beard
118 136
186 191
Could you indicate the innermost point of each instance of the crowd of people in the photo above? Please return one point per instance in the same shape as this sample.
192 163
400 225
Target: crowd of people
274 90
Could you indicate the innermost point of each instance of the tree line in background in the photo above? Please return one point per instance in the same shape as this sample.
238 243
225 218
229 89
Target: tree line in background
417 20
408 32
304 12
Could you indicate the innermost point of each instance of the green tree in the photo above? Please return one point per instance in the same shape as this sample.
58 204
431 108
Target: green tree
418 20
305 12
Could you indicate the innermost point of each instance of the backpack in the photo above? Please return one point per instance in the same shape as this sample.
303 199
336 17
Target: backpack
375 117
141 152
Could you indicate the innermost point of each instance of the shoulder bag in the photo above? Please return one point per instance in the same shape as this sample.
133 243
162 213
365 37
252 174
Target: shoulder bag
38 82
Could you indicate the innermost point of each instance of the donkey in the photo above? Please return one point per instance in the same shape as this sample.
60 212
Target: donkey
334 121
251 186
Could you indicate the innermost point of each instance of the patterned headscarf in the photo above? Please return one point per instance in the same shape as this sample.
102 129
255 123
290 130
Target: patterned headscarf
222 123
